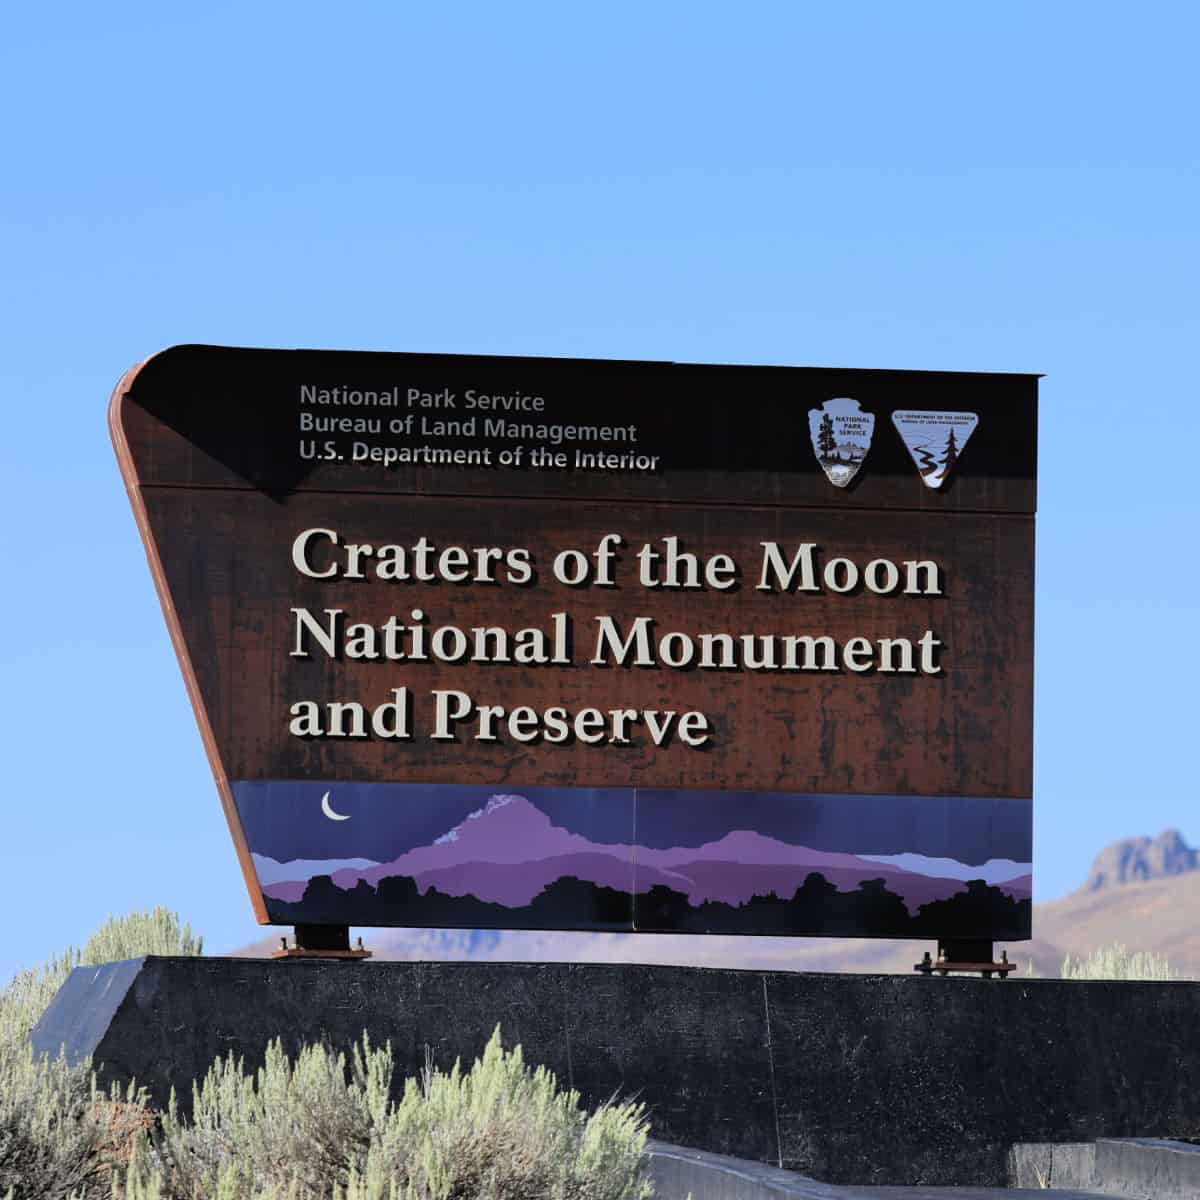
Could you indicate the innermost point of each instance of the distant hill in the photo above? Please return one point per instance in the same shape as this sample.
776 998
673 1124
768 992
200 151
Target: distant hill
1137 860
1143 892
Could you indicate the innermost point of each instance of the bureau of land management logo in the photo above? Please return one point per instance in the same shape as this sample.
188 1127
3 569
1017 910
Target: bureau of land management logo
841 436
935 440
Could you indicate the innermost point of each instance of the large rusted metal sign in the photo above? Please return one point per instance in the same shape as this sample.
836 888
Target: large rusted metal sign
511 642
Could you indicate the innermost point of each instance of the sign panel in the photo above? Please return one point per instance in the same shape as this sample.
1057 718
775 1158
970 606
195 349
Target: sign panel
545 643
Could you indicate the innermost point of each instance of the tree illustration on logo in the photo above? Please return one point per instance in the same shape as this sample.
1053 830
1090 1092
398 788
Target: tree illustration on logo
951 454
826 441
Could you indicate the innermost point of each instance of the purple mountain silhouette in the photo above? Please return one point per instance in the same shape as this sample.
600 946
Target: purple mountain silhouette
1020 888
500 883
507 830
745 846
728 882
290 890
509 851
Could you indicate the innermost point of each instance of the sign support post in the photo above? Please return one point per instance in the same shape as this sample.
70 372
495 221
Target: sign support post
321 941
971 956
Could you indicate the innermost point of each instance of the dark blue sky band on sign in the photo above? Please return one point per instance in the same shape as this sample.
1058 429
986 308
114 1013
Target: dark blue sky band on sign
282 819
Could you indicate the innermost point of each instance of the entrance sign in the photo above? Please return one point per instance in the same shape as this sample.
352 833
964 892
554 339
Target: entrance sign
551 643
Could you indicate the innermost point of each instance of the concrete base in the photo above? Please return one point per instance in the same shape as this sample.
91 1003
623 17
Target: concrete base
1134 1168
871 1079
683 1174
1049 1164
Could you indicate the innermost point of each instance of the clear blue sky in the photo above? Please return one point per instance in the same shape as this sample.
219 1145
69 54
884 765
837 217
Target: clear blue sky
944 186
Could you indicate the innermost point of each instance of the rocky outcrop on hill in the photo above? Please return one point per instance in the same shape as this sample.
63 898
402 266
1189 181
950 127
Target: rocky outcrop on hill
1135 860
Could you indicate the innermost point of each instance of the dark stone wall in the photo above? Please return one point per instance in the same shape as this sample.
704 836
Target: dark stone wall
850 1078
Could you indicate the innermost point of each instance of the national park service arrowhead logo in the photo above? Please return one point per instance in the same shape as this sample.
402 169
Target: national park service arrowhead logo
841 436
935 440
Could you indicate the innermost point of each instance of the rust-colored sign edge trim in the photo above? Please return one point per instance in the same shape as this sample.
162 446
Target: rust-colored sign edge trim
129 474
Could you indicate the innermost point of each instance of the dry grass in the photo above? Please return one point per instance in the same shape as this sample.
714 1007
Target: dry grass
1115 962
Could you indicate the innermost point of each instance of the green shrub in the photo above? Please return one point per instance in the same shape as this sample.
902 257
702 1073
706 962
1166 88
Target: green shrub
1115 962
323 1126
59 1137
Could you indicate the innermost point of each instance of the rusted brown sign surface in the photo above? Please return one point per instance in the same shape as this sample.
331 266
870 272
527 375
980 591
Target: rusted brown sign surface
501 642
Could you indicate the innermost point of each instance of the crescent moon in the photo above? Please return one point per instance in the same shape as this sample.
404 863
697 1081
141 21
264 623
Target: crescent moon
329 811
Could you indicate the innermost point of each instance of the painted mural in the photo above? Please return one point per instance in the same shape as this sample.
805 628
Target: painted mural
648 860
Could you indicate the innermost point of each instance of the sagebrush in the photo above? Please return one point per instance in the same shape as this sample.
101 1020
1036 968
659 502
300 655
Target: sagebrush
324 1124
321 1125
59 1137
